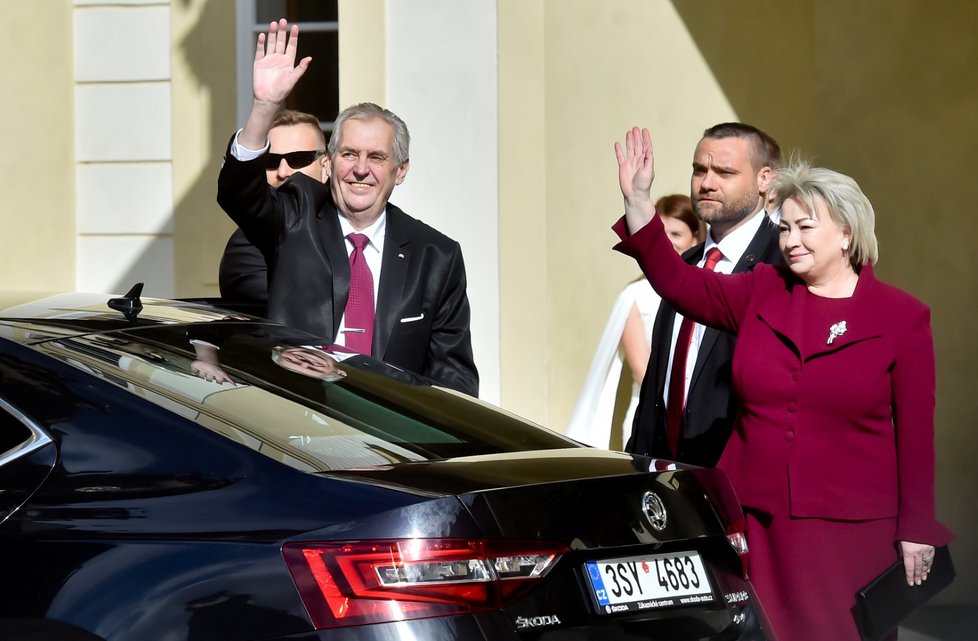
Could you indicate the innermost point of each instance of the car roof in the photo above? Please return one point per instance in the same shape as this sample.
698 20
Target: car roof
43 316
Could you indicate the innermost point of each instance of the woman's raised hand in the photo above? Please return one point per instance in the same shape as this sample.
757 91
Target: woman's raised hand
636 170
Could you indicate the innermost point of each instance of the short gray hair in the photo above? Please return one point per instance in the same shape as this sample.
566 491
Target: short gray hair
845 201
368 111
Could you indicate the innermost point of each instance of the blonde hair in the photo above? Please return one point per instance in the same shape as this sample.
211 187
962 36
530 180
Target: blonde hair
845 201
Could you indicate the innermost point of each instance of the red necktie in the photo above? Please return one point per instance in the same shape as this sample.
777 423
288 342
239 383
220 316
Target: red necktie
677 381
359 322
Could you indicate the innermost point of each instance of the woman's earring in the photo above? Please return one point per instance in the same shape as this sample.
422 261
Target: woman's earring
845 245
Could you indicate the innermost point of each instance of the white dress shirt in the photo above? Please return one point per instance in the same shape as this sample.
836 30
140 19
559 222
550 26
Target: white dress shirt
732 247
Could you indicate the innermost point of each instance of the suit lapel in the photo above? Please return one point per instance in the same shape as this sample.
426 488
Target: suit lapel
665 321
393 270
859 323
763 248
787 318
667 318
334 246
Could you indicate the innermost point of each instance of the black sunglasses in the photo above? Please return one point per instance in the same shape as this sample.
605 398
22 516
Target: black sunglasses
296 159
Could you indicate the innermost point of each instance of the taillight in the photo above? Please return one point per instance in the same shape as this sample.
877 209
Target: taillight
352 583
724 500
738 541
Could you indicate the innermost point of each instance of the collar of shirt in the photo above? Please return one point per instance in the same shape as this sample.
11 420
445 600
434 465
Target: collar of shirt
734 244
375 233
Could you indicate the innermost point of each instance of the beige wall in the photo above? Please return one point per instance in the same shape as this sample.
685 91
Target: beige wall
38 170
203 86
523 251
362 51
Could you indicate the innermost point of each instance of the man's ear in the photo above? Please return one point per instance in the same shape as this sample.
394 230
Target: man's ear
402 172
765 178
326 169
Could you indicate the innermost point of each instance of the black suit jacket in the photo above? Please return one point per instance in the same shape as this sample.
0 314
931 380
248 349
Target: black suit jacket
710 403
422 311
243 274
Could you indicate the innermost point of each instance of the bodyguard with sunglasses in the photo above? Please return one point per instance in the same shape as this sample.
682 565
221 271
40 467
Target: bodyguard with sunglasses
327 245
296 144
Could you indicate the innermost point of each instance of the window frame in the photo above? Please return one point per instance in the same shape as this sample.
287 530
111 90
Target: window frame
38 437
247 29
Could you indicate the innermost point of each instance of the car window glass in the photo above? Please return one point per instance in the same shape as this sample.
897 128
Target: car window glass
12 432
312 409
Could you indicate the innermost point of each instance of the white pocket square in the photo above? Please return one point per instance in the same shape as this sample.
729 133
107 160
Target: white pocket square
412 318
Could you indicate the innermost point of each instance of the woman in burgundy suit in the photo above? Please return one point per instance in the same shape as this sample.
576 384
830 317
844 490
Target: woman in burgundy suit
832 454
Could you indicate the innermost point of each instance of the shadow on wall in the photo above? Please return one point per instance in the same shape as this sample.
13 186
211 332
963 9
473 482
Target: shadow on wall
876 90
200 228
203 98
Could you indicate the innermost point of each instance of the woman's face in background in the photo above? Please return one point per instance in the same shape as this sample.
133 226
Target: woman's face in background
679 233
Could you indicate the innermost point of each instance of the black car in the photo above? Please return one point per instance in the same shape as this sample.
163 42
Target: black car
171 472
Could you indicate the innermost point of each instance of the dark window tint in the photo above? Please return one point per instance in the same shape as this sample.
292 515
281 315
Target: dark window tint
318 92
296 10
12 432
284 394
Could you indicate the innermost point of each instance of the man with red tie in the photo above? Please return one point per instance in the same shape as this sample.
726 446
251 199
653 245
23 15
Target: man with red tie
343 262
686 406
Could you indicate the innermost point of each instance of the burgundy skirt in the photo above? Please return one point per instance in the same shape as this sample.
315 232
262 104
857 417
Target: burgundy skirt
807 571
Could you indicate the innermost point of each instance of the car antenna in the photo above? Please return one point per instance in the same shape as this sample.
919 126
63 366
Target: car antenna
129 305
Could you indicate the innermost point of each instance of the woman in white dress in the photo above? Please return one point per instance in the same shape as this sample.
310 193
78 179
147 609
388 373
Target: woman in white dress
626 338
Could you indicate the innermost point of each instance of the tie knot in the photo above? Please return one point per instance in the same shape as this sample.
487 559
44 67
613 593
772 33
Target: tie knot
712 258
359 240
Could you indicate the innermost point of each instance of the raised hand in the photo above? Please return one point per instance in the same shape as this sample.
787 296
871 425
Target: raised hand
274 76
636 170
275 73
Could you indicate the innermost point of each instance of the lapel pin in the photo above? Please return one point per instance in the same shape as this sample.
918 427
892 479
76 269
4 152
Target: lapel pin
400 255
836 331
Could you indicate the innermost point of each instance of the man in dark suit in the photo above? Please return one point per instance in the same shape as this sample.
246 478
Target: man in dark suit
310 233
733 168
296 144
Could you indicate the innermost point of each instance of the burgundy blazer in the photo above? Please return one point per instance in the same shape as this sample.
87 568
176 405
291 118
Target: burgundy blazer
844 429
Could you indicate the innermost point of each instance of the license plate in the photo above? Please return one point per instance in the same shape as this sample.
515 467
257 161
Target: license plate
647 582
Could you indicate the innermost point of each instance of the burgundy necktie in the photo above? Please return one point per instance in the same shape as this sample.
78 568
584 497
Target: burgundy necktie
677 381
359 322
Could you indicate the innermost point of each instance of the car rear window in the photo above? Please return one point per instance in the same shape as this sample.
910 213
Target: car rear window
13 433
292 397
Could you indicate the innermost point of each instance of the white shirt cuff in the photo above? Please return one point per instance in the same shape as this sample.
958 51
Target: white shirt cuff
243 153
